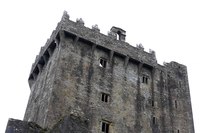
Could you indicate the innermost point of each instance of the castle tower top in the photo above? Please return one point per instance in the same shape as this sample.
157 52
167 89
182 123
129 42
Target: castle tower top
120 33
85 81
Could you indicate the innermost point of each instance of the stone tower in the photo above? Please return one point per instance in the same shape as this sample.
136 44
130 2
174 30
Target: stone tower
86 82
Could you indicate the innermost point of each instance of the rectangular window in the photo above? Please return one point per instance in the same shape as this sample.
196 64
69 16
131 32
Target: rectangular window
152 103
105 127
104 97
154 120
102 62
145 79
175 103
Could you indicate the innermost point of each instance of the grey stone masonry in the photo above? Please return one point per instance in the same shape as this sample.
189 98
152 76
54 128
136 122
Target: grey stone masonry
85 81
18 126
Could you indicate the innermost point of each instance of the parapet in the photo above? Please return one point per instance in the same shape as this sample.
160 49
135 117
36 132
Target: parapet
114 41
119 32
176 69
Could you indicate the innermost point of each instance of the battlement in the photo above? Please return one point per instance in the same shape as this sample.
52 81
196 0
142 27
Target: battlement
103 83
114 41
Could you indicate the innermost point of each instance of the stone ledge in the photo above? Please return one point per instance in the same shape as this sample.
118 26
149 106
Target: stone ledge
18 126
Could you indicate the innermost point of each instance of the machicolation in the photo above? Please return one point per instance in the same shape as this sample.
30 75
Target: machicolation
86 82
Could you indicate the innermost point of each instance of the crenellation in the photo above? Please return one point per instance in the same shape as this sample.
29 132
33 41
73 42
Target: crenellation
153 53
80 21
95 28
120 33
85 81
41 60
84 32
140 47
65 17
112 35
53 39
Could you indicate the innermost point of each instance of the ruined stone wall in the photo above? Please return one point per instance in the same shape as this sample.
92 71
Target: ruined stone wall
142 96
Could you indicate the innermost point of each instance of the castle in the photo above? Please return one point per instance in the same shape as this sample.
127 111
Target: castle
83 81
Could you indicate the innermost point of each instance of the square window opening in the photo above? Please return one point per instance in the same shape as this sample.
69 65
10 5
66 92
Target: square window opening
105 97
102 62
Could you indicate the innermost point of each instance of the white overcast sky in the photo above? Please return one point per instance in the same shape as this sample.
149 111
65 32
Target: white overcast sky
170 27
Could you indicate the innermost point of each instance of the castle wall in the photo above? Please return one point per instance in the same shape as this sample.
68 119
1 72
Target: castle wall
179 98
99 79
41 89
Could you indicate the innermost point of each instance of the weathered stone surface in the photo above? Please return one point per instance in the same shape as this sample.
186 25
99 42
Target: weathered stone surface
71 124
85 81
18 126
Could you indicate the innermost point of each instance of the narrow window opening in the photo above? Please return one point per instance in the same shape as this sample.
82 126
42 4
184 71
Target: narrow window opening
105 127
178 131
102 62
119 35
145 79
154 120
175 103
104 97
152 103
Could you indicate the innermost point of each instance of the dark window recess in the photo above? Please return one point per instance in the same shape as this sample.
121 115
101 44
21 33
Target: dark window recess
46 56
105 127
145 79
175 103
178 131
104 97
152 103
102 62
154 120
52 46
36 71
